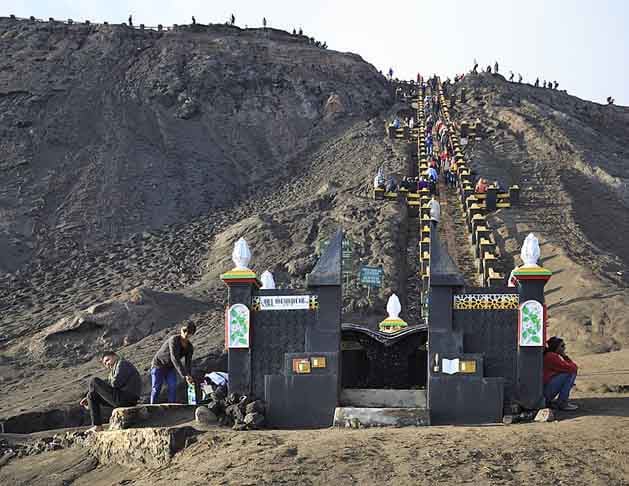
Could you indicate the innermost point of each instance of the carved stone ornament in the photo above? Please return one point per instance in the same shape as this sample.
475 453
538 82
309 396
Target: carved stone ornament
241 256
530 252
394 307
268 283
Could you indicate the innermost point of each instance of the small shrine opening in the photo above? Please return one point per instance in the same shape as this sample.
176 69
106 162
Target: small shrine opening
374 359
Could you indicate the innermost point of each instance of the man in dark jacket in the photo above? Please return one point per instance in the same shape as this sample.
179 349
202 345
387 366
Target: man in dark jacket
123 388
167 363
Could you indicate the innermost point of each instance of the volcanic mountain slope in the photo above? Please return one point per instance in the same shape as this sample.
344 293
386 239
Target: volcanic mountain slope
571 158
108 131
56 308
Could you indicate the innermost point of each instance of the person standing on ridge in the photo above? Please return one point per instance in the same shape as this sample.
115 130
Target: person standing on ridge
130 21
511 76
167 363
232 19
194 21
537 82
264 22
519 78
496 67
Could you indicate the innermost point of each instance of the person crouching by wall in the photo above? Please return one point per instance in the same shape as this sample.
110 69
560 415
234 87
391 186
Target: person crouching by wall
559 374
167 363
123 388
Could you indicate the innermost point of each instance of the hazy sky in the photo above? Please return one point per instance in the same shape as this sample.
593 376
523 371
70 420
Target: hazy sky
584 45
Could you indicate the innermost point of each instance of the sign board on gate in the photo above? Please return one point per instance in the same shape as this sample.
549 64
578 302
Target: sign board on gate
283 302
347 252
371 276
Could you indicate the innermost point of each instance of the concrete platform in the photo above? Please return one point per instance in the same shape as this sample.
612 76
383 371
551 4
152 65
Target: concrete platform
152 446
381 398
160 415
358 417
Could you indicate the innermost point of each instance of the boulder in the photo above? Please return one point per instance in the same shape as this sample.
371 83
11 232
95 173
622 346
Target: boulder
205 416
545 415
254 420
333 106
256 406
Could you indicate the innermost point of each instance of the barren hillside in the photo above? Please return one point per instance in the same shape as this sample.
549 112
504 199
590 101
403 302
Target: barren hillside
108 131
131 161
571 158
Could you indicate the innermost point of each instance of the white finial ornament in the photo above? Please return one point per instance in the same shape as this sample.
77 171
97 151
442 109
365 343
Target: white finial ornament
241 256
530 252
394 307
268 283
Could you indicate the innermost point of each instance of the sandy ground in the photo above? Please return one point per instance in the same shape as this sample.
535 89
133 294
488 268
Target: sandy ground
585 448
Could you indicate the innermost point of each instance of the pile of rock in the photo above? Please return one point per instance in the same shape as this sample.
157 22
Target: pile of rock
17 448
240 412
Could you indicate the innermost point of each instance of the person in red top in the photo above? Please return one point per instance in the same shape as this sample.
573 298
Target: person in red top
481 186
559 373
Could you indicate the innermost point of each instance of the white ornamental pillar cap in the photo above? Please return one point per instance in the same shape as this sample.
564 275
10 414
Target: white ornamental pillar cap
241 256
530 251
394 307
268 282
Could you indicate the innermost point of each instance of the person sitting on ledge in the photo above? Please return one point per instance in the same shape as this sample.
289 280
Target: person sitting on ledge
391 185
407 184
378 180
432 174
167 363
481 186
123 388
559 374
422 184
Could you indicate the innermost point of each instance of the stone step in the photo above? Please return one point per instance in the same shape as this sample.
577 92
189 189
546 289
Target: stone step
382 398
359 417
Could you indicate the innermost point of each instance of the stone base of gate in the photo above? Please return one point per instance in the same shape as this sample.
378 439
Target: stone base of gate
359 417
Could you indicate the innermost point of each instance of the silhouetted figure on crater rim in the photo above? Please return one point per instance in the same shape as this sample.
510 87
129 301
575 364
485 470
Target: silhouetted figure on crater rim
130 21
194 21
